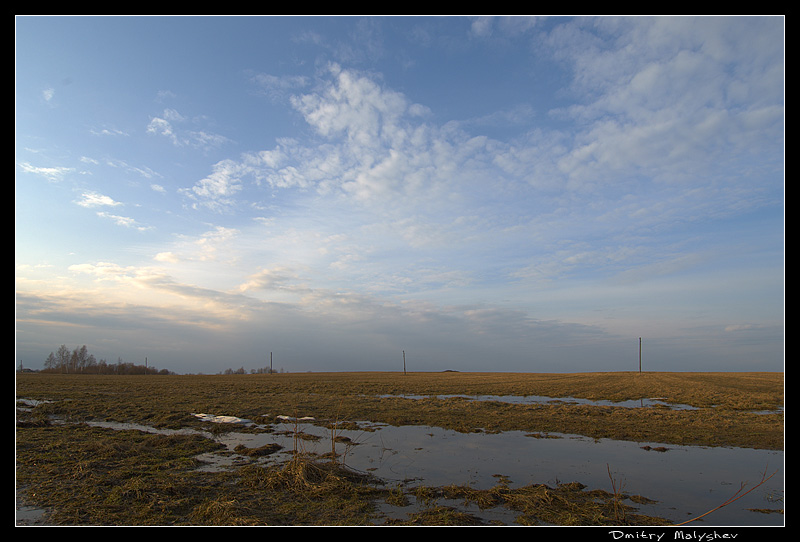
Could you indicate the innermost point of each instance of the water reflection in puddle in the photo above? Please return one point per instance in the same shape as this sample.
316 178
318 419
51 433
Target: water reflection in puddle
649 402
687 481
541 399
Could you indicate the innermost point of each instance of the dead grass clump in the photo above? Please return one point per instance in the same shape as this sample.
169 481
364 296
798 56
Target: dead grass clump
306 491
440 516
304 475
537 504
218 511
267 449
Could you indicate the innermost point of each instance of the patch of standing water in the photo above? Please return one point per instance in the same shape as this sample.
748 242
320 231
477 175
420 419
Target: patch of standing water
29 515
685 480
540 399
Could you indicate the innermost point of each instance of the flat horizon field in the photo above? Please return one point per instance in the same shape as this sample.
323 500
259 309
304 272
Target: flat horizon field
128 450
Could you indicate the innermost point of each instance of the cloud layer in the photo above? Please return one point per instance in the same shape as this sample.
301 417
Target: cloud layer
643 199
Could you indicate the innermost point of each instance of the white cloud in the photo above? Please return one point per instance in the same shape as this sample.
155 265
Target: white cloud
125 221
356 107
214 245
218 189
214 241
51 173
374 149
102 270
108 132
666 97
166 126
93 199
167 257
162 127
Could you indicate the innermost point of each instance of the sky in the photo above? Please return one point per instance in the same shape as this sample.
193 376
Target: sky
534 194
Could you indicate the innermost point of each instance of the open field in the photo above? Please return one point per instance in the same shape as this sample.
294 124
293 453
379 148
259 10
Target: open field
85 474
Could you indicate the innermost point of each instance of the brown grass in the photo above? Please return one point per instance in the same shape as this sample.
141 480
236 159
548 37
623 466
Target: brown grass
729 404
93 476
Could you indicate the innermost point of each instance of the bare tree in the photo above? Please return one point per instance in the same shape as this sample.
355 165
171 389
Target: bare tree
62 358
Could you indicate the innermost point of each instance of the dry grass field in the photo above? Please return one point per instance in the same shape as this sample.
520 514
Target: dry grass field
88 476
729 405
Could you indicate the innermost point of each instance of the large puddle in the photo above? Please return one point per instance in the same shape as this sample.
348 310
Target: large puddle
687 481
541 399
649 402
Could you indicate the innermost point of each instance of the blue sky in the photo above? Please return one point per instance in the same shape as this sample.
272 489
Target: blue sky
483 193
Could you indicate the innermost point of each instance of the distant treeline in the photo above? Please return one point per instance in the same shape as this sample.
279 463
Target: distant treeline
80 361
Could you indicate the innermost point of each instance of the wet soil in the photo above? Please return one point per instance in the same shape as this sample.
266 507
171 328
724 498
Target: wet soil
87 475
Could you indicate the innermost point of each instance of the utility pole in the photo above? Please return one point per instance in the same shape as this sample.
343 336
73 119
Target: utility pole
404 362
640 354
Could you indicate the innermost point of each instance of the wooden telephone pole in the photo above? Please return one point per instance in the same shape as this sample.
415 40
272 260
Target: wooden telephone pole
640 354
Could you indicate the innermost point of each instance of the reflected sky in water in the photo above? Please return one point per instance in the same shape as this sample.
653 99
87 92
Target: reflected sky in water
686 480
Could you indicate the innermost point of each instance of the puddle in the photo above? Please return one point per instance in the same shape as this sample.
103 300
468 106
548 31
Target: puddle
490 516
147 428
649 402
26 405
29 516
687 481
540 399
